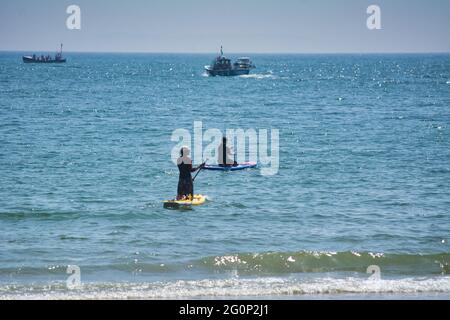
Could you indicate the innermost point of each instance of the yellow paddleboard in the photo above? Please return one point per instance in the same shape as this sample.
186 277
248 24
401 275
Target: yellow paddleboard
177 204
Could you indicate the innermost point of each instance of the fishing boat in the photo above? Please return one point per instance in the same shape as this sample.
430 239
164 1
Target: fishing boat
45 59
222 66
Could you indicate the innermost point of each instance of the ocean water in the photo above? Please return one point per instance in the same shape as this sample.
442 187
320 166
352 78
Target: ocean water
364 178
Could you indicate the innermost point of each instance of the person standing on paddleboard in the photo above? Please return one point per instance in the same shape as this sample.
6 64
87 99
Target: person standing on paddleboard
185 182
224 155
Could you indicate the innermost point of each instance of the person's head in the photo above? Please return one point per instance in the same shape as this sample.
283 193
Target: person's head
185 151
184 156
224 140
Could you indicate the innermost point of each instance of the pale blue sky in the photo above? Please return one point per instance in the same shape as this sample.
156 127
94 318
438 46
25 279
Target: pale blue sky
302 26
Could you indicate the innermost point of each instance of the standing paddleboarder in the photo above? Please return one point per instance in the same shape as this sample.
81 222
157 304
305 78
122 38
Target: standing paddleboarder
185 181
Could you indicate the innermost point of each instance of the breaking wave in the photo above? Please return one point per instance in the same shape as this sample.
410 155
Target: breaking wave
309 261
235 287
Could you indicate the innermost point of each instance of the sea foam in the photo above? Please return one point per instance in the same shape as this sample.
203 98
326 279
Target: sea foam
234 287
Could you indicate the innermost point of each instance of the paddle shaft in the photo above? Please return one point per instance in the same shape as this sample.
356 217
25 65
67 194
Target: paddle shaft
200 169
193 179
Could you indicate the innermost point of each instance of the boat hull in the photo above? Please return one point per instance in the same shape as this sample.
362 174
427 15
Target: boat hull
31 60
227 72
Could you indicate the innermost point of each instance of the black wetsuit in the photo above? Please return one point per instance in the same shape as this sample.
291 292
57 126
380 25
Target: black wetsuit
185 184
225 161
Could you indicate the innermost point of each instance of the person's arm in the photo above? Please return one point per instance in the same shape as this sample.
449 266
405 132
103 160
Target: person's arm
193 169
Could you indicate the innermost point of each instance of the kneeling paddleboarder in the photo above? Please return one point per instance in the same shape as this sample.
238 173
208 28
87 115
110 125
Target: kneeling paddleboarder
224 155
185 181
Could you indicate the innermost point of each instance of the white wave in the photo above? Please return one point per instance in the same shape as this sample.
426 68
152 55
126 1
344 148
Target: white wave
258 76
448 82
235 287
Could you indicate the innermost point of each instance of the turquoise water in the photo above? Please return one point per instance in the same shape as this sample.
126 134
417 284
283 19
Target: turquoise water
364 177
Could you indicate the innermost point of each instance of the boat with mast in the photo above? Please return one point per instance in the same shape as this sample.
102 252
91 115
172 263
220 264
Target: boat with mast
222 66
45 59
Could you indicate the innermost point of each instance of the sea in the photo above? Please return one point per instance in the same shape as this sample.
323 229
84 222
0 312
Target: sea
358 208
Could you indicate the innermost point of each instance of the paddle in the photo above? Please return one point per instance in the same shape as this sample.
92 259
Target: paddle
200 169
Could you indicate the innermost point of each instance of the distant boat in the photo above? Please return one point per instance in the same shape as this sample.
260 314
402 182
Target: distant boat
222 66
45 59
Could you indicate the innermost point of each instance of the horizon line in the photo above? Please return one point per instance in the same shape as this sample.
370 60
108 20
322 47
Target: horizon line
242 52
